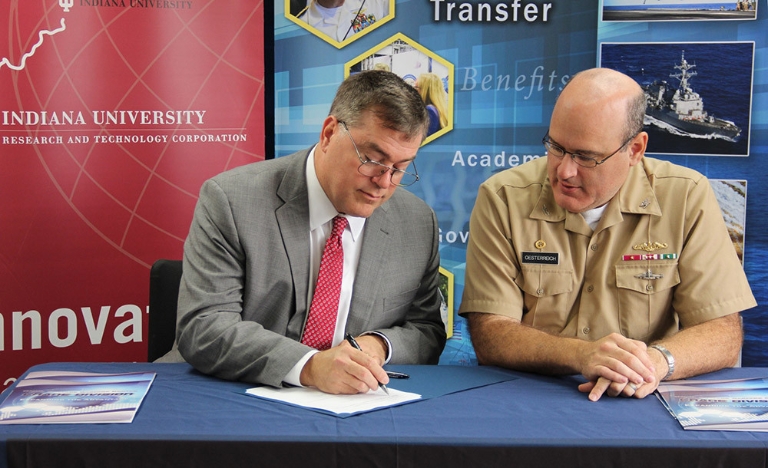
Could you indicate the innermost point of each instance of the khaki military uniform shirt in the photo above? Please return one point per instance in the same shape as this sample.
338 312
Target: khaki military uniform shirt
531 260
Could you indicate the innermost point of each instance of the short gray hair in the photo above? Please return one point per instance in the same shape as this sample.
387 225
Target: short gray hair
393 101
635 115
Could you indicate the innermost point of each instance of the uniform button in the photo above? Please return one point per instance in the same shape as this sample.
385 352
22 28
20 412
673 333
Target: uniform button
594 247
590 288
585 330
649 288
540 292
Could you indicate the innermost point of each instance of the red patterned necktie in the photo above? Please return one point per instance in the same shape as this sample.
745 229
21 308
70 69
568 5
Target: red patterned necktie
321 322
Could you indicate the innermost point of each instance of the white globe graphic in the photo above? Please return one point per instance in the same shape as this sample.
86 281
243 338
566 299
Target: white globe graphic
159 100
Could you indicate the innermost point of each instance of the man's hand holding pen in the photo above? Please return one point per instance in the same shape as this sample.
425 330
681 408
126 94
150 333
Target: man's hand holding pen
346 370
351 340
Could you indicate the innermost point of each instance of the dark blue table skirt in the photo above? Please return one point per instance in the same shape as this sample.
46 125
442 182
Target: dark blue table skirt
189 419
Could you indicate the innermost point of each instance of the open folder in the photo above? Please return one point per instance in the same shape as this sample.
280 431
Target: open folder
425 382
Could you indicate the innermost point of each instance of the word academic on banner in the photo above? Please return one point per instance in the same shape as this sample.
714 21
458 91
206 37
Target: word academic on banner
486 160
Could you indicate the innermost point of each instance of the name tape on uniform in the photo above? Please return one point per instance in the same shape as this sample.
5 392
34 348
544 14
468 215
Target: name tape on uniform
541 258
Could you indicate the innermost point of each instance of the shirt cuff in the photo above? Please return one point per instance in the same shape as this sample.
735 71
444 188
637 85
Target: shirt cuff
294 375
386 340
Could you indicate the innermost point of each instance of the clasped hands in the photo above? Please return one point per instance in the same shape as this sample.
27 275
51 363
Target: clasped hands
346 370
618 366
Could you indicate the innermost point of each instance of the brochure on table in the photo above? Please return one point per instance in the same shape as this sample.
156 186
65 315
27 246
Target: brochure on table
724 405
54 397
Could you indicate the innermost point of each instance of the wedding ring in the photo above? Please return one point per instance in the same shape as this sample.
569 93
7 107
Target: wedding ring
632 386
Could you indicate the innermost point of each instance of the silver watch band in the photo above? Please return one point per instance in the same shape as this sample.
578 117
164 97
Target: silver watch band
669 358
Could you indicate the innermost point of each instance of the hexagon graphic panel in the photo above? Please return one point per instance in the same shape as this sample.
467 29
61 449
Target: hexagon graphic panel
431 74
339 22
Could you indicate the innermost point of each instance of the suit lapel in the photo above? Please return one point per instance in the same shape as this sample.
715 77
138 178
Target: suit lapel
376 247
293 221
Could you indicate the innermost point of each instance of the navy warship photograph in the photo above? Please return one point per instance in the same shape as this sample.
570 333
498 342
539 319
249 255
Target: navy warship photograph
681 108
698 94
678 10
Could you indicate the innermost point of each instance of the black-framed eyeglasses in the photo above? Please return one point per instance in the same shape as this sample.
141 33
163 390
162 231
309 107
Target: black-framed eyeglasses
370 168
554 149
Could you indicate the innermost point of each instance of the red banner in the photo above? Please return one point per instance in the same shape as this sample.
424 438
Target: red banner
112 113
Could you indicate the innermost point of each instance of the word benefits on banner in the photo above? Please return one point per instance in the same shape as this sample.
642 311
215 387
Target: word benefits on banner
537 81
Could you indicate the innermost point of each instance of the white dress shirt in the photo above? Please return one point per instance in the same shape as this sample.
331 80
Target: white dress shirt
321 214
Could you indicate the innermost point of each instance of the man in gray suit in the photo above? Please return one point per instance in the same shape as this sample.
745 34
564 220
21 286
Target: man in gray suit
252 256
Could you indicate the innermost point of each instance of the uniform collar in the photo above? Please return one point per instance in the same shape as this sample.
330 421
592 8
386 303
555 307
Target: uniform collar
636 196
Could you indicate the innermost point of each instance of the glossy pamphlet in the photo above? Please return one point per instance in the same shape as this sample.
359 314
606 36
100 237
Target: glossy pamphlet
724 405
56 397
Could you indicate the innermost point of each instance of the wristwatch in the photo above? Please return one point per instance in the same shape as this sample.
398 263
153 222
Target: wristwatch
668 356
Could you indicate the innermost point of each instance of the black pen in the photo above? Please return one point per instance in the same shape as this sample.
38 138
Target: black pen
354 344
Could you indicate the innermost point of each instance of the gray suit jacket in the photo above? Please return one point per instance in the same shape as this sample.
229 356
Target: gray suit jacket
243 295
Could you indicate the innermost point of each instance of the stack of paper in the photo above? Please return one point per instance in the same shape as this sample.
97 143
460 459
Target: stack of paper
723 405
337 404
75 397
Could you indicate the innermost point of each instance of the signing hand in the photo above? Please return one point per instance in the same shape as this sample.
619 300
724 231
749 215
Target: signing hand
343 369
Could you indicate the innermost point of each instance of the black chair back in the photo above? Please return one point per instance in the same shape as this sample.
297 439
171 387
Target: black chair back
164 279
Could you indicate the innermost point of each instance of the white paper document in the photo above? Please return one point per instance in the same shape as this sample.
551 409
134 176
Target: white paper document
337 404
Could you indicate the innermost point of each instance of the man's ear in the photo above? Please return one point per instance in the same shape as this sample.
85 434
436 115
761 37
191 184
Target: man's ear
329 128
637 148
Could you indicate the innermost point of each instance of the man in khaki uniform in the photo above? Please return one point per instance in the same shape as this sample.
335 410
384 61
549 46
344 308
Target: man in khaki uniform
598 261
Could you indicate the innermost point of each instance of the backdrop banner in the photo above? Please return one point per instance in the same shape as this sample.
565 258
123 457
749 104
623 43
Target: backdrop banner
502 65
112 114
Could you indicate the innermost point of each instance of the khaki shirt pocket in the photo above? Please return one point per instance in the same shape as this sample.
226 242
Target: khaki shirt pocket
645 305
547 296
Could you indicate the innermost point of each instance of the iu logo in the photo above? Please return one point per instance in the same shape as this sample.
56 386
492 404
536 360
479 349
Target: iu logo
66 4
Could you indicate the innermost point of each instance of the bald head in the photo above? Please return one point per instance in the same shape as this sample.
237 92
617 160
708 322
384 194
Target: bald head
605 91
605 81
598 118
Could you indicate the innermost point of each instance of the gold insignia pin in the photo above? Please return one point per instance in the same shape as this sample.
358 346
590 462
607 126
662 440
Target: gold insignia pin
650 247
540 244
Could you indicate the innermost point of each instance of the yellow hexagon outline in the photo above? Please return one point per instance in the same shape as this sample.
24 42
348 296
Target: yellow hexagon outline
448 65
317 33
